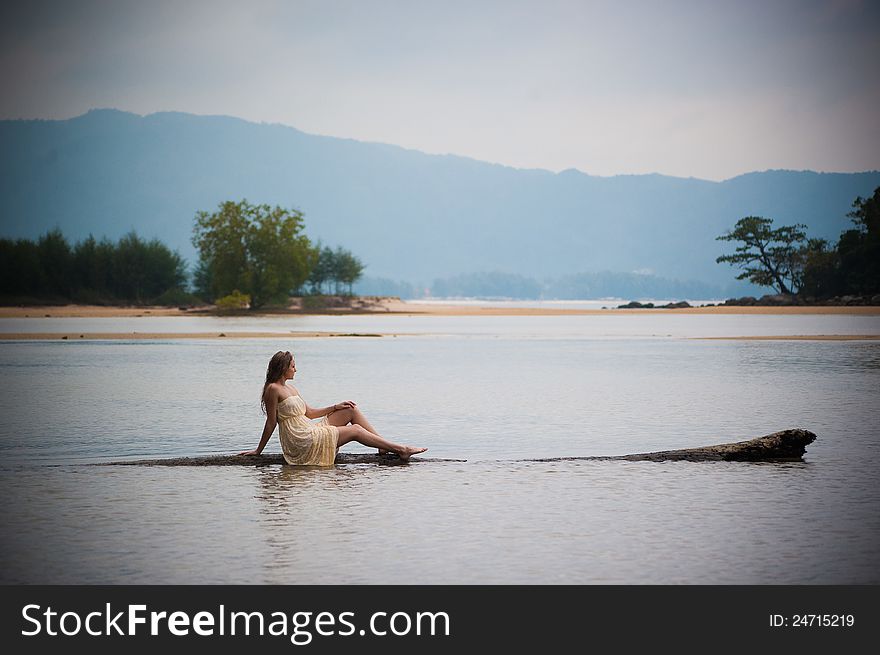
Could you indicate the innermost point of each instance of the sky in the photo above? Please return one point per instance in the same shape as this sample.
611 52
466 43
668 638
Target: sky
690 88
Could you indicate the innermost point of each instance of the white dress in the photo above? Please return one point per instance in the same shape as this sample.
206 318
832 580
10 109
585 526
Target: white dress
302 441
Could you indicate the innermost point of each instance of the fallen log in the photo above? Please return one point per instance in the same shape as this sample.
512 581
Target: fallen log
269 459
786 445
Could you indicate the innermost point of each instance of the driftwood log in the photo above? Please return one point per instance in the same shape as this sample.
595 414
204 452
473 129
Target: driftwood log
274 458
786 445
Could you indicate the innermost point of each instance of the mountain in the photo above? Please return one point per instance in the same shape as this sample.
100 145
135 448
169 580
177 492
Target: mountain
408 215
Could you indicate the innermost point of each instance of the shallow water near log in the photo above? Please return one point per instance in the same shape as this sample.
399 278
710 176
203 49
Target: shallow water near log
489 391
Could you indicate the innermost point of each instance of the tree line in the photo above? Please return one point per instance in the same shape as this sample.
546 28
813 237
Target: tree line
252 254
787 260
132 270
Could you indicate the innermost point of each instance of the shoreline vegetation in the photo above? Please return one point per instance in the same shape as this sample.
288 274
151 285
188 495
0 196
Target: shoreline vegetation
254 258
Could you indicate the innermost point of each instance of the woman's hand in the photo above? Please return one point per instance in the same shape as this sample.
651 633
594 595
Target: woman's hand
249 452
348 404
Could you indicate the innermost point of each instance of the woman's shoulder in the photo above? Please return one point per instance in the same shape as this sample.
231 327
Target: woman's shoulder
278 391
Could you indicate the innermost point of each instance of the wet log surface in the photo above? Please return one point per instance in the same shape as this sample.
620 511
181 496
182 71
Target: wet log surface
274 458
786 445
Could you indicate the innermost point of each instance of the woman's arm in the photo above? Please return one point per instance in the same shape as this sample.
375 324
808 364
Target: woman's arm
271 422
318 412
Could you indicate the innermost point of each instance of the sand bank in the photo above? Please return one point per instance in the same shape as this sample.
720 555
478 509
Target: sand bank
395 306
83 336
146 336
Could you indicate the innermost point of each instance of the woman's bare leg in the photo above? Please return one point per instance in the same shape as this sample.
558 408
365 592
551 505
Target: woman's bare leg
356 417
362 435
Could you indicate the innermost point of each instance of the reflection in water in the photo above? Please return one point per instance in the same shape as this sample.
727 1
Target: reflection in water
297 504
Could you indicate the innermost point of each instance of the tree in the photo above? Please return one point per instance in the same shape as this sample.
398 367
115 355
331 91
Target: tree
91 271
348 268
336 268
322 271
56 261
21 268
859 248
821 278
256 249
142 270
768 257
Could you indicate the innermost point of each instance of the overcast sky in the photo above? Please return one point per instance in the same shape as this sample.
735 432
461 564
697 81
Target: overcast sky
698 88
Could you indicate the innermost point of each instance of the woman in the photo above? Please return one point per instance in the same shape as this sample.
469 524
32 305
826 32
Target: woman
304 442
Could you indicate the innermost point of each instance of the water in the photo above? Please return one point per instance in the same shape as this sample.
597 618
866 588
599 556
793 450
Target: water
492 390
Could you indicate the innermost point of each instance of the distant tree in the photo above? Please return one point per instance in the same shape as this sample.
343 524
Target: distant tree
348 268
202 280
129 268
334 269
22 271
487 284
821 278
86 271
8 271
133 270
93 270
859 248
143 270
56 262
322 271
768 257
256 249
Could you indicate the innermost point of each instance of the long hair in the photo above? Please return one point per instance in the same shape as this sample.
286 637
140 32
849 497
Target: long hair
277 365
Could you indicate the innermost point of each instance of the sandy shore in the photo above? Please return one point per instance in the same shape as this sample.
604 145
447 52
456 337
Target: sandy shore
394 306
147 336
468 310
388 306
83 336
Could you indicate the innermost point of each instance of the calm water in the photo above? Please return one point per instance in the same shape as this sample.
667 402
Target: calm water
492 390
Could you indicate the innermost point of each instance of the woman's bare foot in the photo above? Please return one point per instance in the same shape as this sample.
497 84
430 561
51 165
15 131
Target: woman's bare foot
382 452
408 451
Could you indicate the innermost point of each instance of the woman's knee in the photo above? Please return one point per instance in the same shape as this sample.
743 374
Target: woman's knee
339 417
353 431
347 433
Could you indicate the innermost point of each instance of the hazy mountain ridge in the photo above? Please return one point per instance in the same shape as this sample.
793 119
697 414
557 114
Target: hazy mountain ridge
408 215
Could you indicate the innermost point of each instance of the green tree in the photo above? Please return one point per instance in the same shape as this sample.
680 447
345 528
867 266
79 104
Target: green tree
348 268
86 273
166 269
256 249
56 262
767 257
821 278
142 270
322 271
202 280
859 248
22 271
133 270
